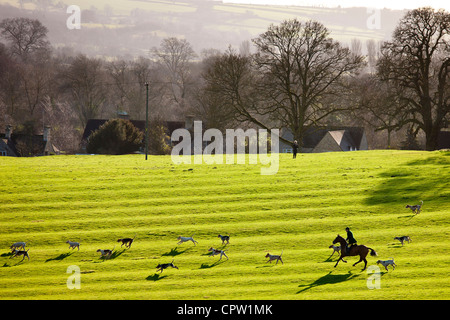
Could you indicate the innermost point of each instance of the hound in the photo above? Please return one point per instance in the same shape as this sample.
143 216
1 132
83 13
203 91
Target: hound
416 208
274 257
403 238
20 253
163 266
126 241
386 263
73 245
224 238
335 249
216 252
16 245
106 253
184 239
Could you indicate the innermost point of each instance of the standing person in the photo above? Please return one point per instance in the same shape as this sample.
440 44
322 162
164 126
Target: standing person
295 148
350 240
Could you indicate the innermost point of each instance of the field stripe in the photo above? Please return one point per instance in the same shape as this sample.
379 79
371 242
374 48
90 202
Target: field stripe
300 210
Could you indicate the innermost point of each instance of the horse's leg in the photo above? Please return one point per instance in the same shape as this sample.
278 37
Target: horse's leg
365 264
340 258
360 259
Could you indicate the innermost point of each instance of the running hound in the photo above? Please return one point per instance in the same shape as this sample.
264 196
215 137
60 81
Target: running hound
184 239
16 245
216 252
163 266
73 245
106 253
416 208
274 257
386 263
126 241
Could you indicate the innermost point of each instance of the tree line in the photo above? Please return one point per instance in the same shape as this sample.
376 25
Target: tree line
294 75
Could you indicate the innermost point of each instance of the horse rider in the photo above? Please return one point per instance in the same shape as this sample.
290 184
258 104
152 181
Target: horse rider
350 240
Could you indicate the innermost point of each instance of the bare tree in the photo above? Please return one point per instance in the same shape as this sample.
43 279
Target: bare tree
25 35
301 66
289 81
356 46
244 48
230 80
371 55
209 106
297 67
36 84
10 95
84 81
376 102
175 56
418 60
119 73
26 77
143 71
61 118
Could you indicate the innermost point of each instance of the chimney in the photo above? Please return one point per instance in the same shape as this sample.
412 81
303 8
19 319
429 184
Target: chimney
123 115
47 133
8 132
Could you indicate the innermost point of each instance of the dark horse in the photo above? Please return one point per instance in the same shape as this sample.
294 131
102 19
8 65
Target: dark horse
358 250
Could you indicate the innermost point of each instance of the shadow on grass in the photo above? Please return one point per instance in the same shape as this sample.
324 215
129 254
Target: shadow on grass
397 245
411 182
329 278
394 245
329 259
114 255
19 262
8 254
174 252
266 266
407 217
62 256
155 277
207 266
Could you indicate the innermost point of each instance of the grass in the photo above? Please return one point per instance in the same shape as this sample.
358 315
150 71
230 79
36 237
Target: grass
97 199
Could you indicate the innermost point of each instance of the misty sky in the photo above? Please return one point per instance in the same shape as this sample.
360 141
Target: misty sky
391 4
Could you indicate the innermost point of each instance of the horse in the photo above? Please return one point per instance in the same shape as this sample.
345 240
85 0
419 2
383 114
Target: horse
357 250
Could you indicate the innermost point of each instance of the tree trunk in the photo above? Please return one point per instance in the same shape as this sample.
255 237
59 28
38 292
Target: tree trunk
432 138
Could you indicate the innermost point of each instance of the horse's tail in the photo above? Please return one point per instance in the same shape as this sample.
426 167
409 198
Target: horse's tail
373 253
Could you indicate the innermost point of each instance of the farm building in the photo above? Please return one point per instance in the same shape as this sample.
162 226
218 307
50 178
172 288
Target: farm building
19 144
328 139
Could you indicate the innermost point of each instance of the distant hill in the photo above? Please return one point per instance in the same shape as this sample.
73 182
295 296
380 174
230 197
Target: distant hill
130 28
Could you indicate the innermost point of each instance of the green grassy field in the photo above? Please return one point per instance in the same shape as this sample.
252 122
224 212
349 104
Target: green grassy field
97 199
